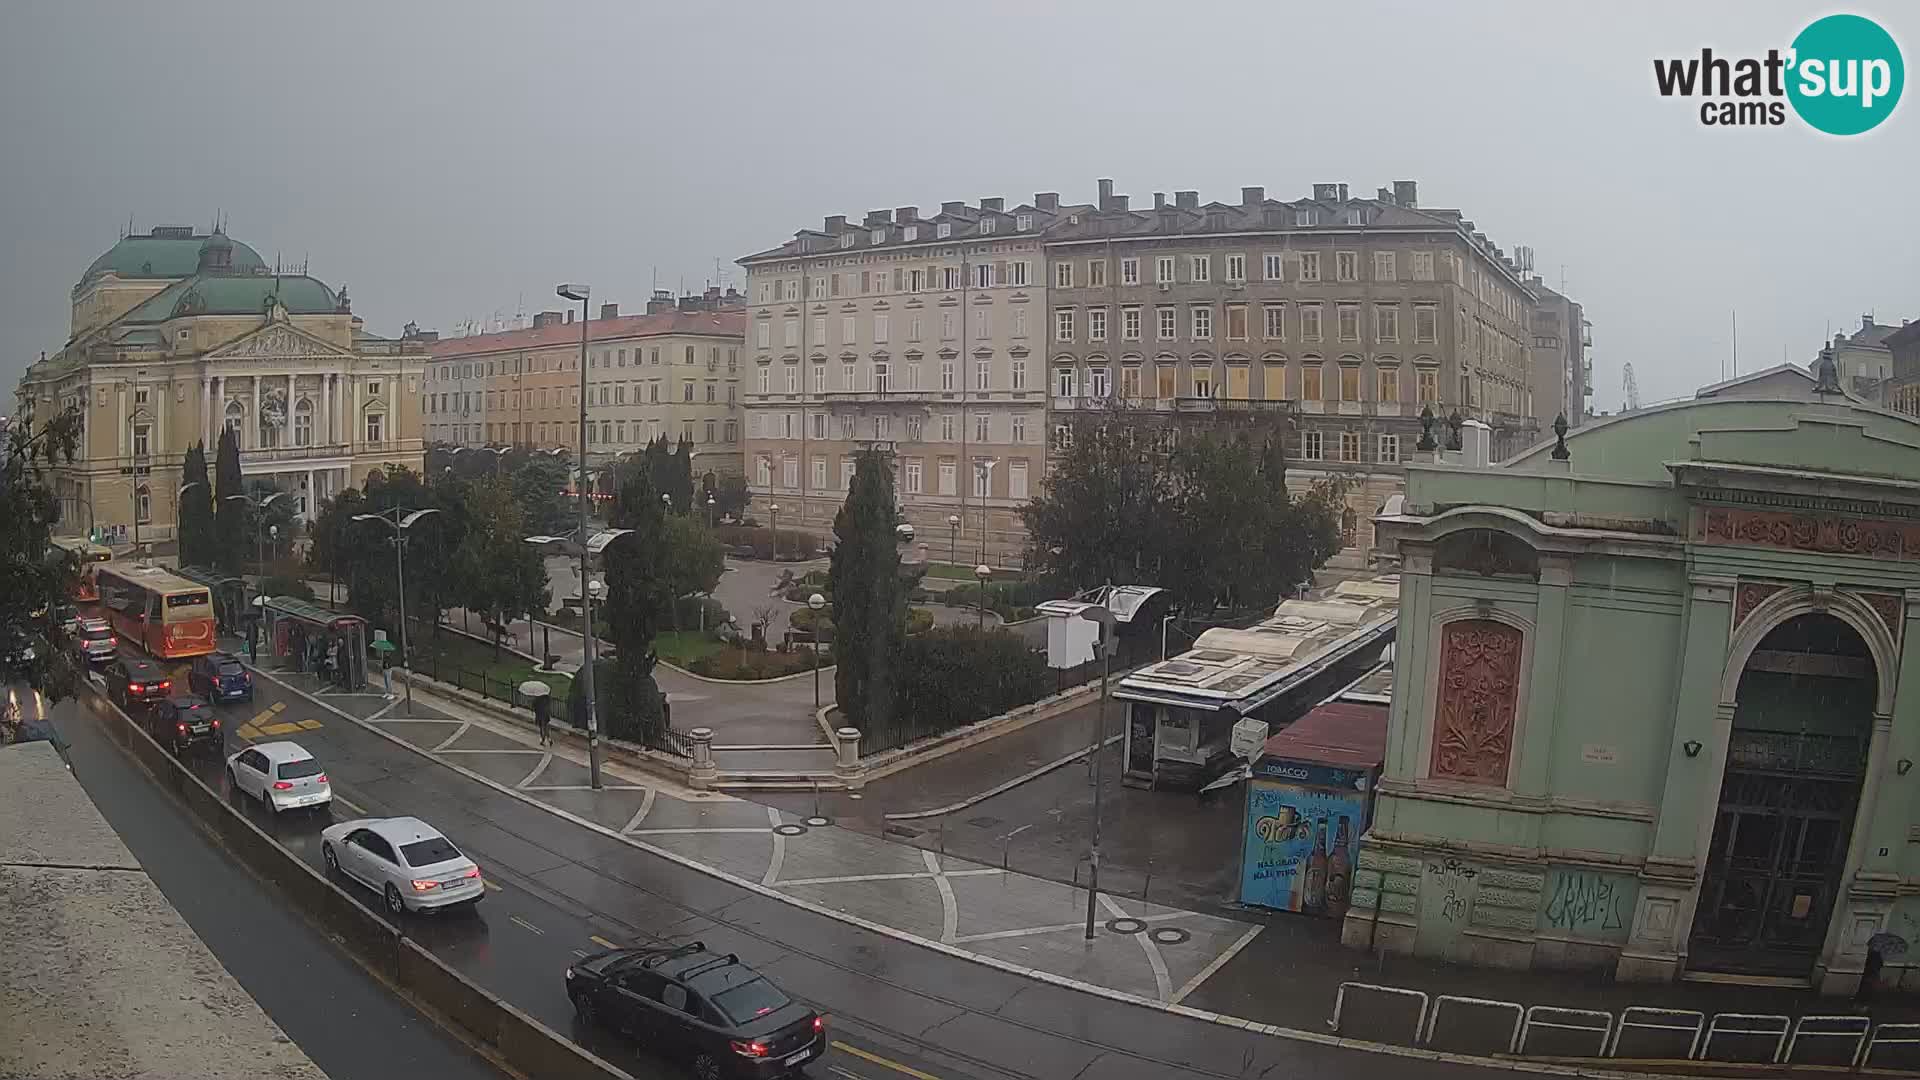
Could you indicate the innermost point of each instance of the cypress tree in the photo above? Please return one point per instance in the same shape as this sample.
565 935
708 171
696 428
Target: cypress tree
869 597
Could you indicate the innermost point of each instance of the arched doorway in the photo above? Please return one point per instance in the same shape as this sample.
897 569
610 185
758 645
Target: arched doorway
1796 757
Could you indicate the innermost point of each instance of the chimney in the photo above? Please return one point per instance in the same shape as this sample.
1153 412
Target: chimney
1106 193
951 207
877 217
544 319
661 301
1404 192
1252 196
569 316
906 215
1120 201
994 205
1326 192
836 224
1343 193
609 311
1383 195
1187 200
1047 200
1159 200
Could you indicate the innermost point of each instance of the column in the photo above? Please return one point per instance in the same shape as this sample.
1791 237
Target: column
120 412
206 410
218 420
324 428
352 434
313 495
252 438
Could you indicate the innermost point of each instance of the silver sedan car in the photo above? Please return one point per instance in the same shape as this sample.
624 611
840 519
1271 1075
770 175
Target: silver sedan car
282 775
405 860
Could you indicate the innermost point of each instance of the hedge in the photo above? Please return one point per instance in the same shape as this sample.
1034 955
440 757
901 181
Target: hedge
794 543
952 676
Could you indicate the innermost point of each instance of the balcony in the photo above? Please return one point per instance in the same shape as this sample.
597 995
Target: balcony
887 397
280 454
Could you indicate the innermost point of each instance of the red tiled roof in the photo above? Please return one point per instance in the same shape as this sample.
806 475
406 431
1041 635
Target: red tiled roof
712 323
1345 734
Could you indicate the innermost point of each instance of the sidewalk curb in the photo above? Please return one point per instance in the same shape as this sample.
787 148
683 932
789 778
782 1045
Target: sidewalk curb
742 682
1001 789
1295 1034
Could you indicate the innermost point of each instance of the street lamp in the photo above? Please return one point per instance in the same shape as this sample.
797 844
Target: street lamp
710 505
590 591
259 548
986 490
953 533
983 572
666 502
400 526
1103 616
816 603
774 509
580 293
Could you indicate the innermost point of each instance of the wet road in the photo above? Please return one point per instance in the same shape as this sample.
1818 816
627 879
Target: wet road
897 1010
350 1025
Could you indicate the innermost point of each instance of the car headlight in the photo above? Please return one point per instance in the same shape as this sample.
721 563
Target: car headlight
569 974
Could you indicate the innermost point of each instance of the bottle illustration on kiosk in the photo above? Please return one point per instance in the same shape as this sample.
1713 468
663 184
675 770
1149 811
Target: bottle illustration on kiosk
1340 867
1314 898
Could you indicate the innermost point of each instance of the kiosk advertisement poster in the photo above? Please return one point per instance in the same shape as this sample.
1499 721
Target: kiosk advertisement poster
1301 846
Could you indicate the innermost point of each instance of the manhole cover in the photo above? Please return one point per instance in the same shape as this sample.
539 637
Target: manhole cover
1125 925
816 822
790 829
902 831
1169 935
984 821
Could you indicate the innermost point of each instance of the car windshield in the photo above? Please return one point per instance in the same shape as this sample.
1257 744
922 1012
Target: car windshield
294 770
426 852
749 1000
229 667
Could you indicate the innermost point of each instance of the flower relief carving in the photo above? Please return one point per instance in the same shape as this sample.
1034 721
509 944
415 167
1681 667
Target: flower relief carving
1478 699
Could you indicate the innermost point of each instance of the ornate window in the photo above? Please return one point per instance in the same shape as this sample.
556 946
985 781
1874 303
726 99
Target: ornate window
303 423
1478 699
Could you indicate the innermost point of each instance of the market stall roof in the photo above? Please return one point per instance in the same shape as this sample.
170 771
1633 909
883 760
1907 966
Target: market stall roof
1345 735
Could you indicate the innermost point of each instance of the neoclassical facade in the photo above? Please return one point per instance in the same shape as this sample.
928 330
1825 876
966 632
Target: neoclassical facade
1648 713
177 335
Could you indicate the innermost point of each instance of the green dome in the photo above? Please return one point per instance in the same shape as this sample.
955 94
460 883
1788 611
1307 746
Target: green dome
169 253
211 294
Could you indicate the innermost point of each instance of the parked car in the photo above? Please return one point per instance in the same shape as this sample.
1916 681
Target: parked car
67 618
133 683
96 642
221 677
185 723
405 860
716 1013
282 775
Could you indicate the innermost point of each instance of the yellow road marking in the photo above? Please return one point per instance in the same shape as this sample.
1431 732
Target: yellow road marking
309 725
277 706
528 925
602 942
488 882
280 729
906 1070
248 732
262 717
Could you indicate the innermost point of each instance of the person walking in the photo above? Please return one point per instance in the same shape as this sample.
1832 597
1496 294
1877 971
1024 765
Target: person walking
543 718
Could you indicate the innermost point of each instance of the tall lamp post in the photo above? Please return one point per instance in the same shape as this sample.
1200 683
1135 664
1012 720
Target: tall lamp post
1102 615
983 572
953 539
580 293
774 509
259 545
590 590
816 604
710 505
400 525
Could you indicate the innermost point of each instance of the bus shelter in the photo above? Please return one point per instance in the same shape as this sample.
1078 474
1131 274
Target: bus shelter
311 638
229 596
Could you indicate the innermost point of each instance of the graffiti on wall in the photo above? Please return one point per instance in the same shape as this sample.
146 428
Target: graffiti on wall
1588 903
1453 879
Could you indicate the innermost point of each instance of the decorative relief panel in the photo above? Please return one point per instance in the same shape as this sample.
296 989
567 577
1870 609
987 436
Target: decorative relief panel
1827 533
1478 699
1891 607
1750 595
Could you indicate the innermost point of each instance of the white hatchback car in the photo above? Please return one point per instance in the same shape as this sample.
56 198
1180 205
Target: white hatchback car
282 775
405 860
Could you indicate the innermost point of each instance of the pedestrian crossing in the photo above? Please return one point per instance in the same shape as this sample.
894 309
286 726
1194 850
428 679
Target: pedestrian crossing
265 725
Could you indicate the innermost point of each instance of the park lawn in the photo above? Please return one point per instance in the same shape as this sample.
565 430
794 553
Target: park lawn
684 647
462 661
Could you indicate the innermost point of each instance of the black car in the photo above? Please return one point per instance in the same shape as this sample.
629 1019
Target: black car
220 677
712 1011
135 683
184 722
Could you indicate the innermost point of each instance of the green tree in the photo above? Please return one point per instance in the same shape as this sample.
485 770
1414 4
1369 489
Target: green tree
198 545
959 675
639 596
730 498
495 572
32 582
869 597
261 521
232 545
1101 516
540 488
362 551
695 560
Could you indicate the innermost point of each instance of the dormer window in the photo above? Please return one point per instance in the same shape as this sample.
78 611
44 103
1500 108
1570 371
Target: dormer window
878 236
1023 222
1302 218
1356 216
846 240
986 225
910 233
942 231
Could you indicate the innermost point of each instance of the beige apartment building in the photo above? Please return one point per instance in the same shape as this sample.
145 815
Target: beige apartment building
1341 317
675 372
925 337
177 335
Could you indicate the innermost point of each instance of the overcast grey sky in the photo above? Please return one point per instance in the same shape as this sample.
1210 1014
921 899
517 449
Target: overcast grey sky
447 160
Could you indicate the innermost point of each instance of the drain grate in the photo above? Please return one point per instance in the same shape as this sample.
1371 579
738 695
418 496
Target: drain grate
984 821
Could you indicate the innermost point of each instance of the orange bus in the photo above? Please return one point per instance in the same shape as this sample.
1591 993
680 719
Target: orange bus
88 554
168 616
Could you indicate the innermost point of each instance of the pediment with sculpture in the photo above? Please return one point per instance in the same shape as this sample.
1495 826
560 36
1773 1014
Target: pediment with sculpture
277 341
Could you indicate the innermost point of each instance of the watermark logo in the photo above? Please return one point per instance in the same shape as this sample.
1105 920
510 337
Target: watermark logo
1842 75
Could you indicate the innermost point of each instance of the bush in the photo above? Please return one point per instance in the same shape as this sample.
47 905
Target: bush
953 676
732 662
919 620
286 585
1012 601
795 544
800 594
687 610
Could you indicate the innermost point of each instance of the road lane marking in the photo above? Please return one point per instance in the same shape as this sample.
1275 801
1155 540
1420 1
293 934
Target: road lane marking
280 729
598 940
545 760
848 879
844 1074
779 850
1217 963
349 804
580 952
949 907
1161 980
310 725
524 923
453 738
888 1063
489 883
646 807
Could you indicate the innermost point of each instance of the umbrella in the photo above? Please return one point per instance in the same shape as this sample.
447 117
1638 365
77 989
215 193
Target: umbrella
534 688
383 645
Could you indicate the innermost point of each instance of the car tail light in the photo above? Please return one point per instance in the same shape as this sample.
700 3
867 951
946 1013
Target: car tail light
183 727
282 785
162 684
134 688
750 1049
216 723
475 872
322 778
425 886
819 1024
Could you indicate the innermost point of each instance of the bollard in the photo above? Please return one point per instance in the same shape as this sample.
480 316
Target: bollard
847 769
703 773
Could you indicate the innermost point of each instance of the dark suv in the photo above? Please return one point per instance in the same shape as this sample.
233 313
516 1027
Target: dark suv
184 722
135 683
714 1012
220 677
